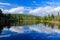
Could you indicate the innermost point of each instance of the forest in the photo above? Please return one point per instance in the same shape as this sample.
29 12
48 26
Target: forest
26 17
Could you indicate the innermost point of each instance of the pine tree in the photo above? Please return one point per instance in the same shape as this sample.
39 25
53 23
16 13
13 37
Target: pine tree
1 14
0 11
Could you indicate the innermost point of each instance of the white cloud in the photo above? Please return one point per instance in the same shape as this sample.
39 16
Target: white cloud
41 11
45 29
7 4
5 11
16 10
17 29
19 9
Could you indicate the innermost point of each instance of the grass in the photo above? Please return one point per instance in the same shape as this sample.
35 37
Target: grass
52 22
55 22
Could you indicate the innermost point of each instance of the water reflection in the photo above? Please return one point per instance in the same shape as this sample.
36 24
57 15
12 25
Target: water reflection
41 27
9 24
35 27
31 31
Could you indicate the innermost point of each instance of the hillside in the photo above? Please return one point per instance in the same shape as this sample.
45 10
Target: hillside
23 17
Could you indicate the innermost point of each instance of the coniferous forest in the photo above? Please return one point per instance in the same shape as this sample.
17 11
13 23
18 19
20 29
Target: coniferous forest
8 17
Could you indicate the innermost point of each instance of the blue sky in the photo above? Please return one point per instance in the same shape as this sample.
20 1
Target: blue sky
27 3
33 7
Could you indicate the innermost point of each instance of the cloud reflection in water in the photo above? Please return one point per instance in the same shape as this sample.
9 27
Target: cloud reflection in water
38 32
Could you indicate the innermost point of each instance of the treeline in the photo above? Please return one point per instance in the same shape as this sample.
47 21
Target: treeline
19 17
51 17
5 20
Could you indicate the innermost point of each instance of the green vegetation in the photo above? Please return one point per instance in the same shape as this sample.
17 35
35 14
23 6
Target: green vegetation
30 18
54 19
5 20
24 17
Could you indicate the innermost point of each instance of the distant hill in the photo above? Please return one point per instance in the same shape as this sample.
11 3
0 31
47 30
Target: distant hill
23 17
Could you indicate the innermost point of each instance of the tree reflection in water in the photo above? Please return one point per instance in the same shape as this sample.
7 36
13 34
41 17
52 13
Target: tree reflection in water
2 26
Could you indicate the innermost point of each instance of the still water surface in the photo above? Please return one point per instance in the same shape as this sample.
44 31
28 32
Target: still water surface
31 32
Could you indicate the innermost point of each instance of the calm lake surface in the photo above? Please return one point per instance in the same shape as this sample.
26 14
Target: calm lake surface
30 31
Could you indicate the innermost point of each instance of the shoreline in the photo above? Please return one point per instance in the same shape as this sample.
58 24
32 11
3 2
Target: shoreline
52 22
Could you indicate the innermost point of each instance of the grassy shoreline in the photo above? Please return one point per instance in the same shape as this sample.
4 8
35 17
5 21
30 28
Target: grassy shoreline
52 22
55 22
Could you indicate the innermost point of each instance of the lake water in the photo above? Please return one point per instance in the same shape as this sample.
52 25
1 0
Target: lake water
31 32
